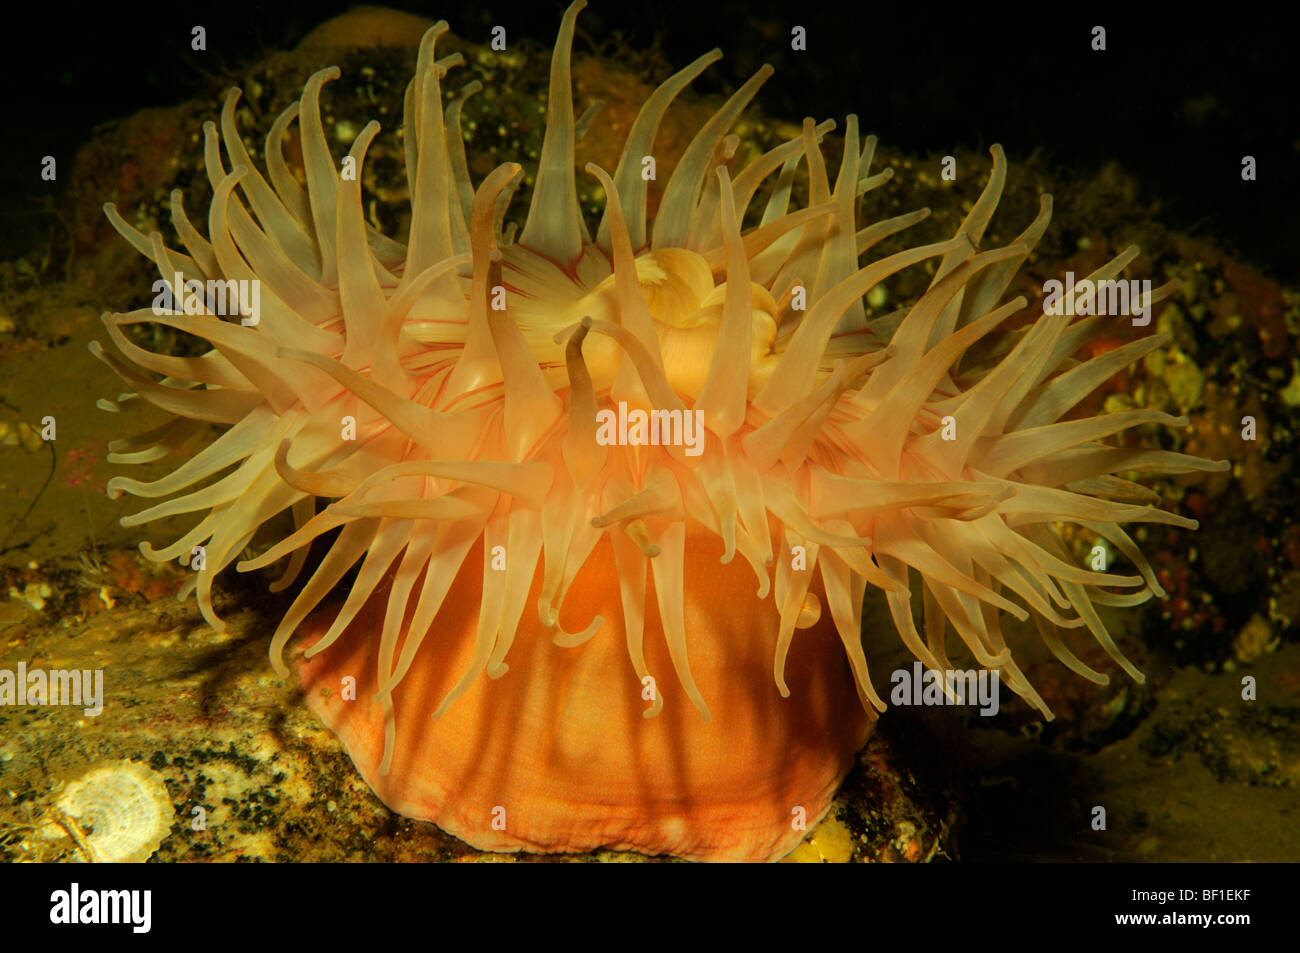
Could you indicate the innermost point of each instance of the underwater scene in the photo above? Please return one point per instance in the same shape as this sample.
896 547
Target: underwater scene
648 432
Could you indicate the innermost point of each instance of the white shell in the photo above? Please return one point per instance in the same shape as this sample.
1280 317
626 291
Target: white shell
123 809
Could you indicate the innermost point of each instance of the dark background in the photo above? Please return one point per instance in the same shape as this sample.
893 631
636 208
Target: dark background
1177 99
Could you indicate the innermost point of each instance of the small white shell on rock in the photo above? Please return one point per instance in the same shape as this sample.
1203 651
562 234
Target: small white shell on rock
123 810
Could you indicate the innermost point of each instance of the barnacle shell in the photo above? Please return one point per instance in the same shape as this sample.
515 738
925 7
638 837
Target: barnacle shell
122 808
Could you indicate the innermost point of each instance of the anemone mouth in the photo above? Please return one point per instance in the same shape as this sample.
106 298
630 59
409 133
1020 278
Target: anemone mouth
420 398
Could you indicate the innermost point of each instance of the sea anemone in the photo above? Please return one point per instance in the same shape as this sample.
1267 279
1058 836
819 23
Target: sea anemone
498 427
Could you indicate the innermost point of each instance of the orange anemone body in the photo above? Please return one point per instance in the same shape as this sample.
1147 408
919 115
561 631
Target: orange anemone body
557 755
